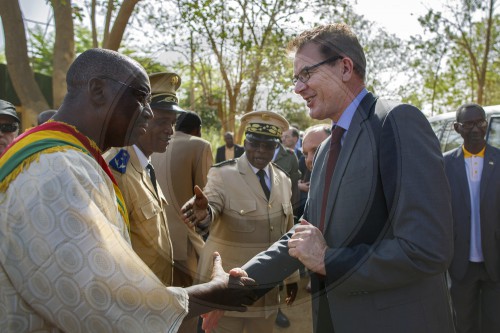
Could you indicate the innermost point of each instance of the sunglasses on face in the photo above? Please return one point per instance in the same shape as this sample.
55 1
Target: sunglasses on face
470 124
8 128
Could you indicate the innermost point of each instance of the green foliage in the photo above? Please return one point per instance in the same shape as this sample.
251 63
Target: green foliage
456 58
41 50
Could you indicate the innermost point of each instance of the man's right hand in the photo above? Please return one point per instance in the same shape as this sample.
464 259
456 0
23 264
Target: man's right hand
223 291
196 209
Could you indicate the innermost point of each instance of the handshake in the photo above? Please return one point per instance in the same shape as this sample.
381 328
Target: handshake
224 291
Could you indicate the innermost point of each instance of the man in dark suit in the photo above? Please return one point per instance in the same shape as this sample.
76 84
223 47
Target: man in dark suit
474 176
380 237
230 150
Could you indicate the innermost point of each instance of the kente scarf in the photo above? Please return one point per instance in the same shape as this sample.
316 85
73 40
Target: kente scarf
50 137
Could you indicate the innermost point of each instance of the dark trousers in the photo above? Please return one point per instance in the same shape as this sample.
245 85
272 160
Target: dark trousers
323 322
476 300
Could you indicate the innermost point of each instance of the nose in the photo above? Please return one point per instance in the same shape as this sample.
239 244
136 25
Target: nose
299 87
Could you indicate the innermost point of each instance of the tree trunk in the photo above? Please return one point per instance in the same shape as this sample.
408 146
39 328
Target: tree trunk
95 43
107 23
20 72
121 21
64 48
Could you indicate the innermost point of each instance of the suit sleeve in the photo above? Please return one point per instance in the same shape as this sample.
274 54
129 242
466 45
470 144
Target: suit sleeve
269 268
416 241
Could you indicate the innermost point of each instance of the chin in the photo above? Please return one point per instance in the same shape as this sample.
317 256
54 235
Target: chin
314 114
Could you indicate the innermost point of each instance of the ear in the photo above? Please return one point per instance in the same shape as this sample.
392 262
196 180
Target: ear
347 69
96 90
456 127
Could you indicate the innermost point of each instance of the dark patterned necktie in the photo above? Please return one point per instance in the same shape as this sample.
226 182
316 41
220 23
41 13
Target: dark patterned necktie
261 173
333 155
152 176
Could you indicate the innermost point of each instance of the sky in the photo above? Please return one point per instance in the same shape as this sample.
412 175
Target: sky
396 16
399 17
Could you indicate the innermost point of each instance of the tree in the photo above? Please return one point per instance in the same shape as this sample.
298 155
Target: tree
386 54
64 48
236 37
18 56
463 43
18 65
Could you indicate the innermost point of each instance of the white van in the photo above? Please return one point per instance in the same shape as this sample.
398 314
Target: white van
443 127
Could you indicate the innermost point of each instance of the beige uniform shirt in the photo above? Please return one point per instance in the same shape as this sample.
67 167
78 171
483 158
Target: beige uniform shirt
244 222
148 221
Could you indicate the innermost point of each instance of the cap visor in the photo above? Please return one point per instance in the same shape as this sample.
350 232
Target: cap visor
261 137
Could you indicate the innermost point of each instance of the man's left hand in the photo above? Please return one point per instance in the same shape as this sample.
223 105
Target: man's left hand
308 245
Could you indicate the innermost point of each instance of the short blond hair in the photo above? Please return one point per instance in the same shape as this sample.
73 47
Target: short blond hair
333 39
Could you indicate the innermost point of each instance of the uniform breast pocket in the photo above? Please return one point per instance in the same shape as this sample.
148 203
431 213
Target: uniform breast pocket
146 225
242 214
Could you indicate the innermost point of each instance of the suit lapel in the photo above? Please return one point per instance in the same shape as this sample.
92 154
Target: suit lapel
488 168
275 182
461 178
350 139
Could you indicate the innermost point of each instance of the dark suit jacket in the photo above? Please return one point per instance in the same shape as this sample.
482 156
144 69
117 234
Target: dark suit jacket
287 161
388 226
489 211
220 156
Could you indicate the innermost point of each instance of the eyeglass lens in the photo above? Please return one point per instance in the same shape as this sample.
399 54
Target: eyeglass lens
8 128
471 124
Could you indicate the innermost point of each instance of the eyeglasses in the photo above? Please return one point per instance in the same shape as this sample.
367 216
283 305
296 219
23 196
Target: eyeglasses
8 128
267 146
305 74
470 124
143 97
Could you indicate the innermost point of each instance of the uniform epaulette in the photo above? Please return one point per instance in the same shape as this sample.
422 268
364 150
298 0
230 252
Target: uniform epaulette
218 165
120 161
277 166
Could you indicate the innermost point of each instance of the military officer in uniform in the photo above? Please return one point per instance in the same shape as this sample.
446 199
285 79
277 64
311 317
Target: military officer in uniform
184 165
248 208
136 179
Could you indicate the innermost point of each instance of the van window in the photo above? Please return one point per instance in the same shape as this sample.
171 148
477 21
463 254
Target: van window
451 139
493 136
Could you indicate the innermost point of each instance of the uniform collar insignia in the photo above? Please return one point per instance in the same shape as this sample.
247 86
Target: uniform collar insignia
119 162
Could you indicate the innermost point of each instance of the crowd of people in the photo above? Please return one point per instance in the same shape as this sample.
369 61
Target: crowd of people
116 218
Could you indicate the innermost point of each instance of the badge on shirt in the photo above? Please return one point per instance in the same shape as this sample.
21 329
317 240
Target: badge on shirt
119 162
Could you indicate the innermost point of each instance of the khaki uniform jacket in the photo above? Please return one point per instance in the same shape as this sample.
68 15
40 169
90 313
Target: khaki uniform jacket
244 222
184 165
148 221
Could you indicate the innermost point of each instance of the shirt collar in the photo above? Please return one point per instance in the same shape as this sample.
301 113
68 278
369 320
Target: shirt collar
255 170
467 154
346 117
142 158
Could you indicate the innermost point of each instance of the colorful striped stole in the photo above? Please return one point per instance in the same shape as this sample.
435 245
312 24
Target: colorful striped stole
50 137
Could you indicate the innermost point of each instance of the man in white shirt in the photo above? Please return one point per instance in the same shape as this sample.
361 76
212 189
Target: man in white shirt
474 175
